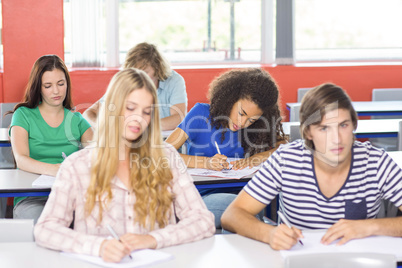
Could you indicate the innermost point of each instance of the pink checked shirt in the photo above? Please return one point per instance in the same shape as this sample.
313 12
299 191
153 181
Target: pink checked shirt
68 195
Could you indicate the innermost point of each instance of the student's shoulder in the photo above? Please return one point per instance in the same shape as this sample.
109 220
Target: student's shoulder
175 76
77 115
366 149
297 146
25 110
202 108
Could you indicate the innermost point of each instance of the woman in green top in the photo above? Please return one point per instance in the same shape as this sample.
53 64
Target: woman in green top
43 129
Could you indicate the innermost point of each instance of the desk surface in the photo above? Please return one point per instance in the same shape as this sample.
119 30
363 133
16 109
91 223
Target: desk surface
17 181
217 251
365 128
369 107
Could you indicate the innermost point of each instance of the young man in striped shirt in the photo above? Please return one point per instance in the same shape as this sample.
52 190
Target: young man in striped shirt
325 181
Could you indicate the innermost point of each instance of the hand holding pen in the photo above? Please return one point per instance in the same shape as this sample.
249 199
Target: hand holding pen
114 250
218 161
285 221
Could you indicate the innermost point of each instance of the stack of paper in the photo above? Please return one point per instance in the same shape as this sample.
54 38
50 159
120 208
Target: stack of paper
44 181
225 173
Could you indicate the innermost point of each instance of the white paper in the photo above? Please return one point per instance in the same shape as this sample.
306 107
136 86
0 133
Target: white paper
141 258
226 173
44 181
373 244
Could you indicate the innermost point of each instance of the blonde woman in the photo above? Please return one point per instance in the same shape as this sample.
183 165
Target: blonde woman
131 181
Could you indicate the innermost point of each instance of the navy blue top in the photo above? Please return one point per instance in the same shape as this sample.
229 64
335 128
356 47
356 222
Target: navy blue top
202 136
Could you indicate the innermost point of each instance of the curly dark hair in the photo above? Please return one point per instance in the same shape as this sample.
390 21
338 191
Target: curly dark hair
256 85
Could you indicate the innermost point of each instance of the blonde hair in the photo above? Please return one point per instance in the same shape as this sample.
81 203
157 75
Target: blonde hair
145 54
151 184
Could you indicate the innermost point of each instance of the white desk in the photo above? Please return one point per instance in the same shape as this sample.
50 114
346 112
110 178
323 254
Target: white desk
232 251
218 251
15 182
367 108
380 128
397 157
21 255
4 135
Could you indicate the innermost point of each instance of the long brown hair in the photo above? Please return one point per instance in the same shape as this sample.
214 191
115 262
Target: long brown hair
150 184
33 89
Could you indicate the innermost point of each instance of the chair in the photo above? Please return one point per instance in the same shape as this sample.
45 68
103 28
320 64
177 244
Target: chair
294 113
294 133
13 230
301 92
6 155
344 260
386 94
400 137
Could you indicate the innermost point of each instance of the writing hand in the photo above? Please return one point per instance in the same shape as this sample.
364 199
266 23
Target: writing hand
217 162
113 250
283 237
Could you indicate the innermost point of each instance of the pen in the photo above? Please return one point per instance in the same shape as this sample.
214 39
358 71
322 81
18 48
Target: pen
283 218
115 236
217 148
219 151
63 155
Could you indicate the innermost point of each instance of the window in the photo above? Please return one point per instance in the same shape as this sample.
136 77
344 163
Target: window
187 31
344 30
196 31
98 33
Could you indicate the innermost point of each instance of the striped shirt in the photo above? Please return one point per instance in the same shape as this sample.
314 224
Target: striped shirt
289 173
68 195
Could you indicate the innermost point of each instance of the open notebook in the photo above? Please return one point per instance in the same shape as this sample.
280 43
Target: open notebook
227 173
141 258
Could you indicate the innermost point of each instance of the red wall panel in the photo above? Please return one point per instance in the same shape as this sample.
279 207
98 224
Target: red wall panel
31 29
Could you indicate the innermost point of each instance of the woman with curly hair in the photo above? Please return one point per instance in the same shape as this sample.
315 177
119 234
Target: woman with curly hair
131 181
243 118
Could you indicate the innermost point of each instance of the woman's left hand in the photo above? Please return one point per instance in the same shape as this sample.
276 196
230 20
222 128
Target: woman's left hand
246 162
136 241
240 164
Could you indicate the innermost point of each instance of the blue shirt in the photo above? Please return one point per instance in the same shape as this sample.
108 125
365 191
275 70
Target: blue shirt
202 136
170 92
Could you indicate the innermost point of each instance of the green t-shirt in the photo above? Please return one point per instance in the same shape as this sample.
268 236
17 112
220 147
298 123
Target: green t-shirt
46 143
